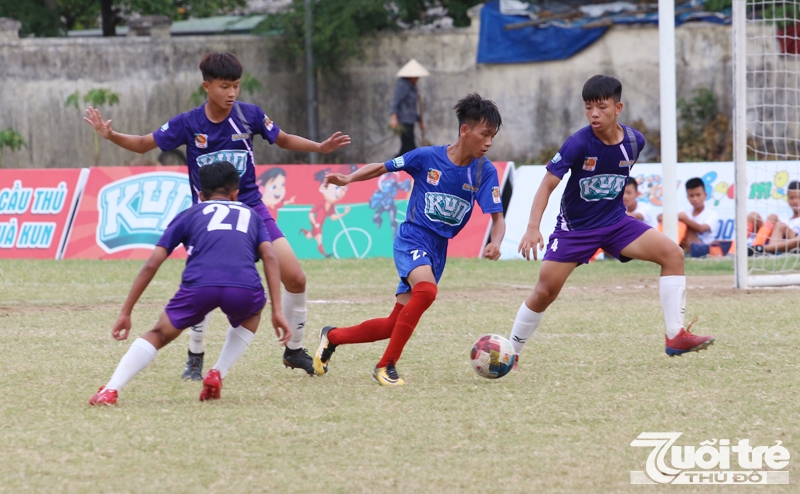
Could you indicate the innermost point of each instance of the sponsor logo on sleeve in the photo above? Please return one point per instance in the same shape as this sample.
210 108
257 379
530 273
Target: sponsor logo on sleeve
240 137
496 195
589 163
267 123
201 141
399 162
556 158
469 188
433 176
165 127
626 163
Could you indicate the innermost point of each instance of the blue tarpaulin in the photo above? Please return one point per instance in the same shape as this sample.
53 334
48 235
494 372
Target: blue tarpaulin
560 40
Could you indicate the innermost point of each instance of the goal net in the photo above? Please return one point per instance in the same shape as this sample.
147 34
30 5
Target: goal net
766 52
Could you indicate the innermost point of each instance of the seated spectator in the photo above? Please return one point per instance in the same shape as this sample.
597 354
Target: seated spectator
776 235
633 207
697 224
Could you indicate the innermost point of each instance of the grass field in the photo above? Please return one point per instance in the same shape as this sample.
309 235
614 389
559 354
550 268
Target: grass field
591 380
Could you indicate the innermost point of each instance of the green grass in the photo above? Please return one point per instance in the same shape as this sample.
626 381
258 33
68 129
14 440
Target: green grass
591 380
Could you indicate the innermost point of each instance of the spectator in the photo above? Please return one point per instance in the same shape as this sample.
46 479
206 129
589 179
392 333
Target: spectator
405 111
639 210
698 224
776 234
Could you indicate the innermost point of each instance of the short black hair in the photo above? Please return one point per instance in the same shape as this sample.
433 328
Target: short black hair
270 174
694 183
219 177
473 110
794 185
632 181
223 66
601 87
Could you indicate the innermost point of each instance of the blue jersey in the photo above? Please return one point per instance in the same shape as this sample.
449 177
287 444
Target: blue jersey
593 195
444 193
230 140
222 240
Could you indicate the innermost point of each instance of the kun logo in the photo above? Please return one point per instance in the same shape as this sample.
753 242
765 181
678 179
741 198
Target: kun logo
601 187
135 211
445 208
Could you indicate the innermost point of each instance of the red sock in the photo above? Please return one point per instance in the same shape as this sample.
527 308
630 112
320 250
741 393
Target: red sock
422 296
367 331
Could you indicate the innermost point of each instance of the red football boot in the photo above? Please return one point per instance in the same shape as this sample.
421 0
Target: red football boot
104 397
212 384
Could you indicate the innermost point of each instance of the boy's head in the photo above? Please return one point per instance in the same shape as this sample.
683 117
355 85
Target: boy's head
602 104
220 178
223 66
221 75
631 194
793 196
696 192
478 121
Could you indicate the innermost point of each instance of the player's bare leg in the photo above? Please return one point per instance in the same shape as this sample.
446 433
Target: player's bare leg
294 301
656 247
552 277
138 356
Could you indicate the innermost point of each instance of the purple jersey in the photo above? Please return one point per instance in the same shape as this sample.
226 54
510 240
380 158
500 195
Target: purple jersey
593 195
222 240
230 140
443 193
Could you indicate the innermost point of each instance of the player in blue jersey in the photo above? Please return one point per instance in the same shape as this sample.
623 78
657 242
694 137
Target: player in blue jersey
223 129
448 180
592 216
224 238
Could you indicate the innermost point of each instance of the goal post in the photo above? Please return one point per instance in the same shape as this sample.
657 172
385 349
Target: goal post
766 134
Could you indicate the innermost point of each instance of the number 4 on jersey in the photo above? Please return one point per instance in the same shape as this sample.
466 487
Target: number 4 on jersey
416 254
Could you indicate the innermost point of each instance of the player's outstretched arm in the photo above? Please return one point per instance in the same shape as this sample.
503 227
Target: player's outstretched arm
532 239
137 144
492 250
366 172
272 274
123 324
293 142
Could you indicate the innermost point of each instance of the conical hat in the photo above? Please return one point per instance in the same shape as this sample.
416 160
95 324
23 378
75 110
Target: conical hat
413 69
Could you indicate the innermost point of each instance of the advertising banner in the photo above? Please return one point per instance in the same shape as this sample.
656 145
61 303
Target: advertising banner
36 206
124 211
766 193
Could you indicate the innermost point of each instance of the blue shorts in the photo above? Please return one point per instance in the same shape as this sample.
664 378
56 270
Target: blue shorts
415 246
580 245
190 305
272 228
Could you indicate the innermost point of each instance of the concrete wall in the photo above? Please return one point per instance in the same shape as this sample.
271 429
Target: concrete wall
540 102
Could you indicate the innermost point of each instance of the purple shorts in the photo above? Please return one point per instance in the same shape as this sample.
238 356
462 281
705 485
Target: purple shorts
580 245
190 305
272 228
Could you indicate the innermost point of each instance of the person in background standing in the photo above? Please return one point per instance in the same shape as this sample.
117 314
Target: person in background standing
405 104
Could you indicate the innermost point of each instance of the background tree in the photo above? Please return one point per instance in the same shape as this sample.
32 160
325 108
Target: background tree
96 97
340 25
10 139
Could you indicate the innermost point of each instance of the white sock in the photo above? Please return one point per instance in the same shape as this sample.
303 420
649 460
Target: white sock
525 324
236 343
196 335
138 356
294 308
673 300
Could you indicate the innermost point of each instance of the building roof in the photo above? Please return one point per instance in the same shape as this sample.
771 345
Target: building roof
223 24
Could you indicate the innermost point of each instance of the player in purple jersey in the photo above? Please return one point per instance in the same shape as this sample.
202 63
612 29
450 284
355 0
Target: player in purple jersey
448 181
592 216
223 129
223 238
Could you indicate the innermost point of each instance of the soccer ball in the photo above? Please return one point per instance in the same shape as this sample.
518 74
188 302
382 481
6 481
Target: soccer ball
492 356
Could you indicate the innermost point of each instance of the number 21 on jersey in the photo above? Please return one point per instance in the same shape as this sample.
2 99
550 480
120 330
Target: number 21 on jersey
416 254
221 212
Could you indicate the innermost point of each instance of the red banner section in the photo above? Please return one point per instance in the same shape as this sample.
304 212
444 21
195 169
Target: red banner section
35 209
124 211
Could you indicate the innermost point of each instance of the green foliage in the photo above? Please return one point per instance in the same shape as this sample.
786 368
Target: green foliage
56 17
340 25
717 5
247 83
704 133
11 139
95 97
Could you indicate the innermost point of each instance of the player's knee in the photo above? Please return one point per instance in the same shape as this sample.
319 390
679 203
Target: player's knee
425 292
672 255
294 282
545 293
